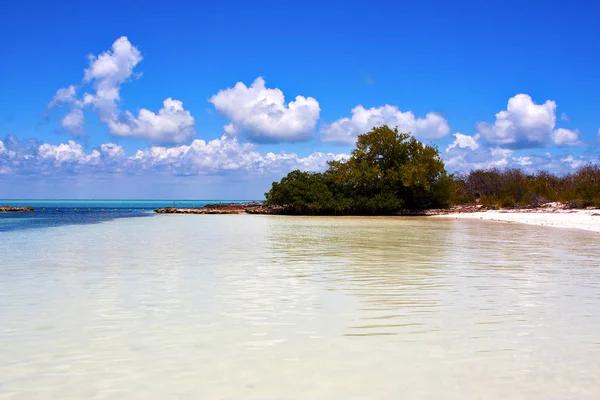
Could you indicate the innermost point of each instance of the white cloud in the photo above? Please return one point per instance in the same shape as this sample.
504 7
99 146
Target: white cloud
573 162
219 156
227 154
64 153
564 137
4 159
113 151
499 157
465 159
172 124
346 130
522 124
73 121
524 161
262 115
465 153
459 159
564 117
106 73
64 96
464 141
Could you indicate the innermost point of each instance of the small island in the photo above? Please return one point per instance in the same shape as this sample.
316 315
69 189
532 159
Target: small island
15 209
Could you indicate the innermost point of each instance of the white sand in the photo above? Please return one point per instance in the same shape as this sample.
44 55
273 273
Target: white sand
588 220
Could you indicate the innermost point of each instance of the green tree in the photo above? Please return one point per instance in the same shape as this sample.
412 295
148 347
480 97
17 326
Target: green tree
301 192
388 170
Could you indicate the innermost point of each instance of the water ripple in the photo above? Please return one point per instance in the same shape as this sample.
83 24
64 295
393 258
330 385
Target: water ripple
294 307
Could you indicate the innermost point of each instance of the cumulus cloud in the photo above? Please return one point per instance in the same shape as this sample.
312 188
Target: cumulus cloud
219 156
105 75
522 124
464 141
565 137
172 124
64 96
74 122
346 130
524 161
466 157
107 72
262 115
3 149
4 159
64 153
573 162
525 124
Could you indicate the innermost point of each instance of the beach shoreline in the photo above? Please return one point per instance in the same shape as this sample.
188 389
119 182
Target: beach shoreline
552 214
582 219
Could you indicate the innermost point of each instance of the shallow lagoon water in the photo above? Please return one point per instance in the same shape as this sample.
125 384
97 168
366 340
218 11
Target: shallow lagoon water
271 307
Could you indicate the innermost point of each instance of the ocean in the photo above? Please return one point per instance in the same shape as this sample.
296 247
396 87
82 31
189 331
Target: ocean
52 213
128 304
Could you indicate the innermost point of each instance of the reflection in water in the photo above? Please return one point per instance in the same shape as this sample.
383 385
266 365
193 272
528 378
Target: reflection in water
293 307
384 265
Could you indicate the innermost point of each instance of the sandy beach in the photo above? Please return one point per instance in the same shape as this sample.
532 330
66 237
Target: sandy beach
588 220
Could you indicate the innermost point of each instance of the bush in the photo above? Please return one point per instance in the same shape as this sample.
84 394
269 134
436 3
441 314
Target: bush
512 187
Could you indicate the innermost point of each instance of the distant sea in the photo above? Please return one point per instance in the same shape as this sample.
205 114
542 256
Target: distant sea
52 213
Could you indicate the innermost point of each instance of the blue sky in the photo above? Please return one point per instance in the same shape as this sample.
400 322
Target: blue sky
191 100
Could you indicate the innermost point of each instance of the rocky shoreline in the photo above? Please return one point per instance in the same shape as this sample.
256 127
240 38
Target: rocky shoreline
15 209
261 208
224 208
258 208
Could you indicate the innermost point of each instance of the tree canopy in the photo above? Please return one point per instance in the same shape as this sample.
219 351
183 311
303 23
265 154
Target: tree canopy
387 171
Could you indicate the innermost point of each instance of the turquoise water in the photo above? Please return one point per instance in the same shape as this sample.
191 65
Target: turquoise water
53 213
112 204
277 307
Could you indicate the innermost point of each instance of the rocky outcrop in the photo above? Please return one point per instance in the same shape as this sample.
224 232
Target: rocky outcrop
15 209
457 210
224 208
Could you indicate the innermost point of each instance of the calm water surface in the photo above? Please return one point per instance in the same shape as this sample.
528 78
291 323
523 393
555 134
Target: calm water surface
267 307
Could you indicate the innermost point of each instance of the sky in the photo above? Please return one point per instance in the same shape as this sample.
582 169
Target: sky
191 100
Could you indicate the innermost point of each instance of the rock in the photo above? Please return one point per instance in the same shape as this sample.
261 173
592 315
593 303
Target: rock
456 210
224 208
15 209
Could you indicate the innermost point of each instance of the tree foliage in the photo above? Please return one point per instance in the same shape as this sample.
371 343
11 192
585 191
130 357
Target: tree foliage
387 171
512 187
